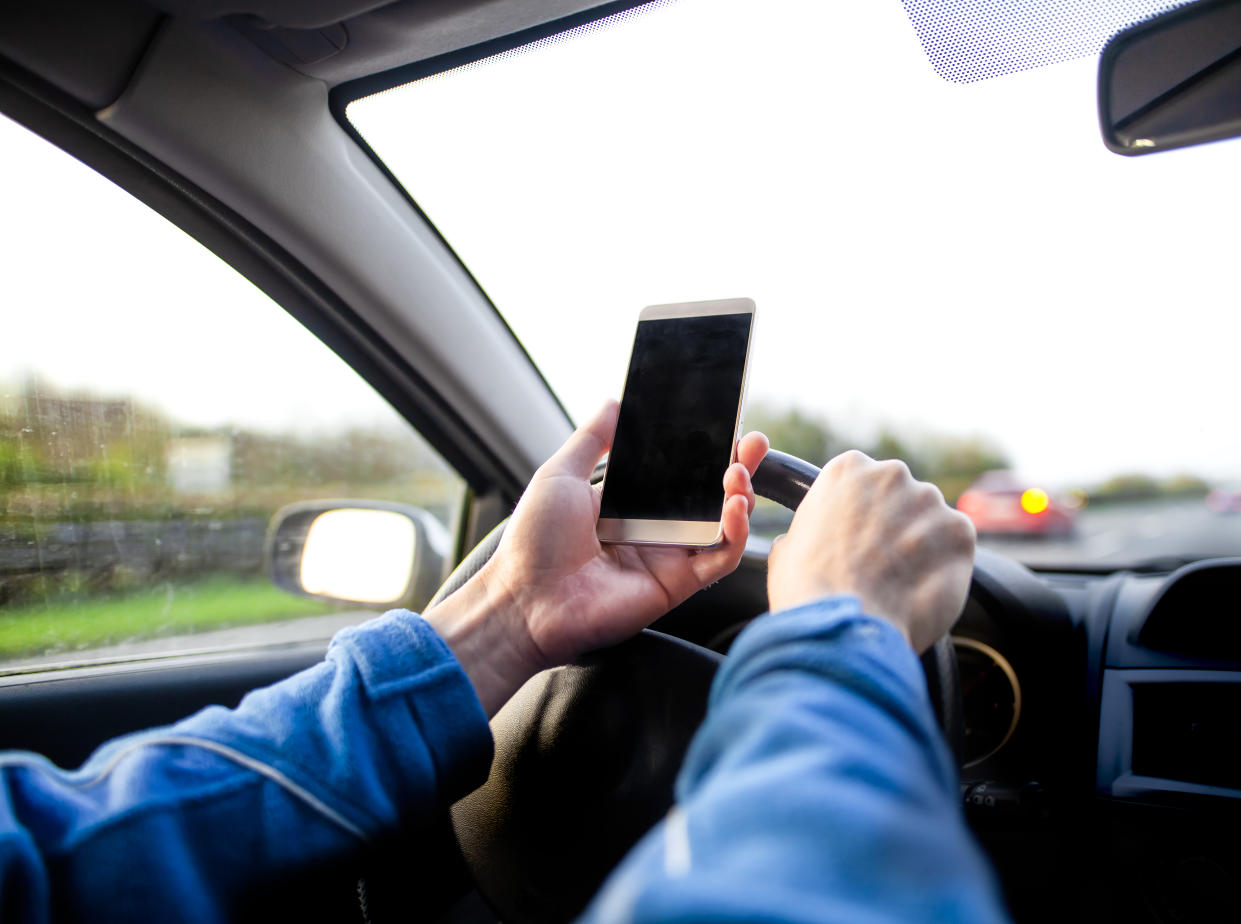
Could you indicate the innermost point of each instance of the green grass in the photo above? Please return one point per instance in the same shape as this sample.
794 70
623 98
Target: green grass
67 623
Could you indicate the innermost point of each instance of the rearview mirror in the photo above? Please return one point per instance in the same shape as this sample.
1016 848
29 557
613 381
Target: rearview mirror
1174 80
351 551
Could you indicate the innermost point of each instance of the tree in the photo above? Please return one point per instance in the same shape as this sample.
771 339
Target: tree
890 446
951 462
1184 485
1127 486
794 431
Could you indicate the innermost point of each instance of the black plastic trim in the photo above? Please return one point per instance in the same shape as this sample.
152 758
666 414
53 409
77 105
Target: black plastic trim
65 714
343 94
70 126
1194 613
1191 9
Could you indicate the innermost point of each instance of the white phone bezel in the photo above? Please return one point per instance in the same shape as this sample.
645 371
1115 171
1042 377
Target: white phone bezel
684 533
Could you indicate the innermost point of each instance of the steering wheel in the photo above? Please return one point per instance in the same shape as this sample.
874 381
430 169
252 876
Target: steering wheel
586 754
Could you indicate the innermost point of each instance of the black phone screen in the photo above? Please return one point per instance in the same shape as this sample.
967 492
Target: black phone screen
678 419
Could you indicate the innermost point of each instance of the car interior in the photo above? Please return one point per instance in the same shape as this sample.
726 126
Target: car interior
1093 708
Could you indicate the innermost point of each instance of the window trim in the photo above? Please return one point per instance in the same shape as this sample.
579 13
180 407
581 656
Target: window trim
341 95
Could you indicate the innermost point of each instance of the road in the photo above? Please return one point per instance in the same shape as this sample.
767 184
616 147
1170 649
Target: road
1112 535
1127 534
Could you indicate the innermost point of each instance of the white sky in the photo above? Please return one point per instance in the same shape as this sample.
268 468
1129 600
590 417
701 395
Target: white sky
962 259
100 293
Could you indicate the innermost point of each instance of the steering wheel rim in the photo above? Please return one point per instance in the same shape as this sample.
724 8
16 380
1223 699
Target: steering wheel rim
587 753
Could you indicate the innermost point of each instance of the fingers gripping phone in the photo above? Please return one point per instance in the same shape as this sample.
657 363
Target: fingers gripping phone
678 427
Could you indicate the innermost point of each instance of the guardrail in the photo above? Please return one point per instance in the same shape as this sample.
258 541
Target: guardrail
140 547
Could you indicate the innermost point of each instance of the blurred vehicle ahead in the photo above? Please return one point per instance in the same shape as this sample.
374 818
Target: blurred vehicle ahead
1224 499
998 503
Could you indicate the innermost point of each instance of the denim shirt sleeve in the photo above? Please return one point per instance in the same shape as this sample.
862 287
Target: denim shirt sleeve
193 820
817 789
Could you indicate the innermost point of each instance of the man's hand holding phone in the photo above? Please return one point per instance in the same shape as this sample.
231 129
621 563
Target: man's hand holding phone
578 594
552 591
579 568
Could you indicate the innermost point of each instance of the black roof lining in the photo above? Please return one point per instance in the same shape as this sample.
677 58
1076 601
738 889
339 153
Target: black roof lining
88 49
345 93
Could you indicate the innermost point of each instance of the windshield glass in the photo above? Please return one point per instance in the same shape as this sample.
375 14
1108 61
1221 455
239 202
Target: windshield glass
960 275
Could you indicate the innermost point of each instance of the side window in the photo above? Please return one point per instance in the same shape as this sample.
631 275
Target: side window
155 410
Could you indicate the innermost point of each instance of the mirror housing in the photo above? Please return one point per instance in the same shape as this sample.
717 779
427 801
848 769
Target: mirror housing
357 551
1173 80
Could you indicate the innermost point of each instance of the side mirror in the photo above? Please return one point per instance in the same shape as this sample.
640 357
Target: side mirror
1174 80
352 551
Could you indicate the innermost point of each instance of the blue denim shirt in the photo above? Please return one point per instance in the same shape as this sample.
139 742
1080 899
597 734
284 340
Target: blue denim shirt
817 789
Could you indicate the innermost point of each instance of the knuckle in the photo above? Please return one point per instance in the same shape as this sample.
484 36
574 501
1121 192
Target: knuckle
929 495
968 531
960 530
850 458
894 472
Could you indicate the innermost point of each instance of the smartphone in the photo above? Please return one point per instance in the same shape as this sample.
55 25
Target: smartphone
679 419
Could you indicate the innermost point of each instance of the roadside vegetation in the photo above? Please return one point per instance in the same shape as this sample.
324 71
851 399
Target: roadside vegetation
117 522
74 622
1135 487
949 461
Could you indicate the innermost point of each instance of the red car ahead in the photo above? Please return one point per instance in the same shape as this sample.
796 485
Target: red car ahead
998 503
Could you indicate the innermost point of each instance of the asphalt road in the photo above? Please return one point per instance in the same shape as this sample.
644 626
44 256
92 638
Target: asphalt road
1129 534
1114 535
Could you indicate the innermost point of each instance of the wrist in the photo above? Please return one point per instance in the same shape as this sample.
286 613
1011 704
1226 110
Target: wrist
785 602
786 592
483 626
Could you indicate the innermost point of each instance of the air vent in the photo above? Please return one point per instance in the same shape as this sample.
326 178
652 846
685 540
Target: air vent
1189 732
1198 612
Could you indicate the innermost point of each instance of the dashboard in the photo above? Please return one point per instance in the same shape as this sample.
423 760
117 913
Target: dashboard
1101 763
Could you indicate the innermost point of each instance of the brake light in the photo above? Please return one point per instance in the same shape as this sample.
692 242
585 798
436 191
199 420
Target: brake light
1035 500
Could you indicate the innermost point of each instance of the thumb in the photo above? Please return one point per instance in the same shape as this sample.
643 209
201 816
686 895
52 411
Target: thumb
583 450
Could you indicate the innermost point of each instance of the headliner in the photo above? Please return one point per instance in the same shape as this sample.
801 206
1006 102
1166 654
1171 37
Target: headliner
91 48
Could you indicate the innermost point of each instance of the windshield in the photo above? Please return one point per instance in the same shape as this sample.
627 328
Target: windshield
960 275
